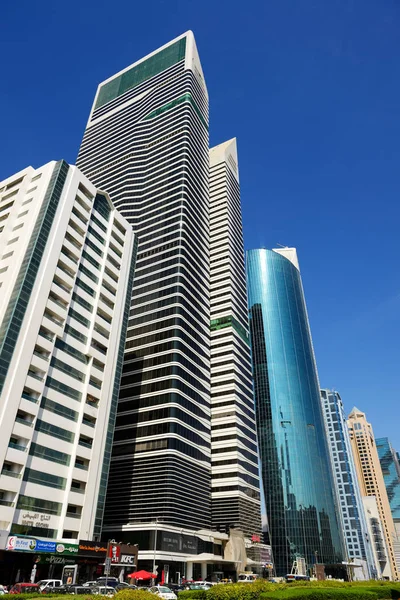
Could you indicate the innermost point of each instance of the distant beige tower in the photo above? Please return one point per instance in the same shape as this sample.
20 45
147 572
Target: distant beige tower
370 476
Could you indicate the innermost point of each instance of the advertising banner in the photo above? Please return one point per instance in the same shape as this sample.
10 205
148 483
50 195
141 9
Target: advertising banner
89 548
24 544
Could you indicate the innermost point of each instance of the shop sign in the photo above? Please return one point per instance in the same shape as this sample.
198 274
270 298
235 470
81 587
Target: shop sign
22 544
123 554
171 542
41 520
266 554
50 559
89 548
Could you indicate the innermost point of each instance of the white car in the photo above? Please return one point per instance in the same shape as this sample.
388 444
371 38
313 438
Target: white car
163 591
46 585
102 590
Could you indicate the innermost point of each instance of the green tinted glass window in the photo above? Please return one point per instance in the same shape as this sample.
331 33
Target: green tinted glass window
44 479
49 454
37 504
185 98
230 321
59 409
141 72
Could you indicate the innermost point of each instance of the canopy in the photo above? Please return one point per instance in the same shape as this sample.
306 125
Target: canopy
142 575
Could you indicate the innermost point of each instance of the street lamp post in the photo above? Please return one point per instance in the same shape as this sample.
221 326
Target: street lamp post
155 548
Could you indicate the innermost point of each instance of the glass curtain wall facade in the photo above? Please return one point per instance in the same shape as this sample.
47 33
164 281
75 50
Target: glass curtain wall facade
351 510
235 481
295 467
390 463
146 143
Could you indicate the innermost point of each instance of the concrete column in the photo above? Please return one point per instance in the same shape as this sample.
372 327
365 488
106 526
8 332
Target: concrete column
203 571
189 570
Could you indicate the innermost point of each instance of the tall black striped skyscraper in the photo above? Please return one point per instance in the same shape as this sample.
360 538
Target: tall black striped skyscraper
146 143
235 482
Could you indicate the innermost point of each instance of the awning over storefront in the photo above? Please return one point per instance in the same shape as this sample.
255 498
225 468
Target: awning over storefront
208 558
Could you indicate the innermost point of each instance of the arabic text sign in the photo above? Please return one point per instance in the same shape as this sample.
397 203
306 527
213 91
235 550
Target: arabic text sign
21 544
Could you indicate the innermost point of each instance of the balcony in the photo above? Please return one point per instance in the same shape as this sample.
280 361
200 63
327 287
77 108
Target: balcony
16 446
11 474
36 375
6 503
23 421
30 398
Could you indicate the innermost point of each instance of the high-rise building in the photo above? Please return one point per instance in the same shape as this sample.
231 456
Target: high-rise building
235 481
66 274
295 465
371 481
376 535
351 509
146 143
390 464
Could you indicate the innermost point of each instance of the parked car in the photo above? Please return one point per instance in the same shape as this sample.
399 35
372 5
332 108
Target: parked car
24 588
89 583
75 588
176 587
3 590
125 586
47 585
102 590
163 591
200 585
111 581
247 577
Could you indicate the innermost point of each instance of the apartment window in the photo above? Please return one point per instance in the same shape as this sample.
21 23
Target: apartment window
59 409
18 227
116 250
90 259
75 333
101 330
67 369
26 202
88 273
85 287
95 248
39 505
98 223
60 458
46 479
94 233
7 255
63 389
25 212
53 430
82 302
73 313
101 206
61 345
36 177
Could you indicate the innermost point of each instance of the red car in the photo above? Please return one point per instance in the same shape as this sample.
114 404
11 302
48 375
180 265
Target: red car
24 588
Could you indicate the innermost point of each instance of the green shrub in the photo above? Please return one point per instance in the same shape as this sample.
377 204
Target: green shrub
133 595
314 593
193 595
242 591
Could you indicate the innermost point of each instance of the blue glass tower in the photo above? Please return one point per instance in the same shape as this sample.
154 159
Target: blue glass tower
296 472
390 464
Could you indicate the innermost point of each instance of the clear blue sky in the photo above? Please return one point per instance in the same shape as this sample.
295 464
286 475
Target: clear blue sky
310 88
